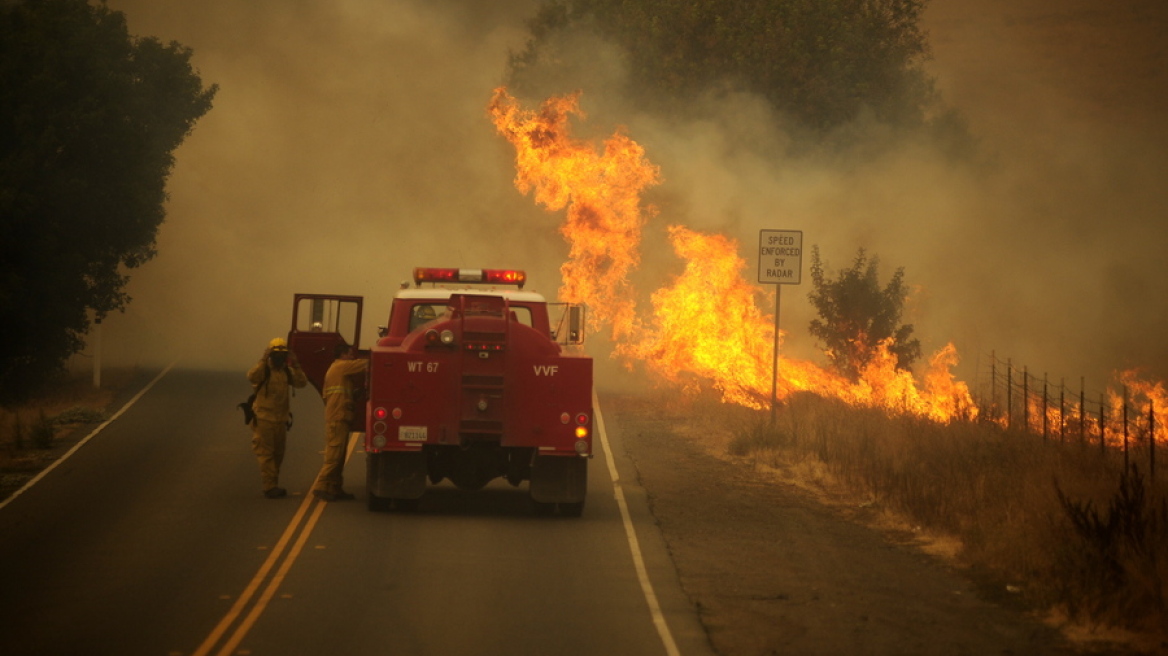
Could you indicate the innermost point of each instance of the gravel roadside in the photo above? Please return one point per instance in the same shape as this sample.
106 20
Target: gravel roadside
773 571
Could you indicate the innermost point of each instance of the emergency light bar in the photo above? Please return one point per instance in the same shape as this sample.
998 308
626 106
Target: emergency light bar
481 276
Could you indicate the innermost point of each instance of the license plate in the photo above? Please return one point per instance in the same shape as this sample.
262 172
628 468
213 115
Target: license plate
411 433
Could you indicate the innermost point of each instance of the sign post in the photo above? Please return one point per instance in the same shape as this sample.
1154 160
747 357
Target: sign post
780 262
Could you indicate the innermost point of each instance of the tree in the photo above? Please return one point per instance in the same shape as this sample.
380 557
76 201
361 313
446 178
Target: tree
821 63
856 315
89 119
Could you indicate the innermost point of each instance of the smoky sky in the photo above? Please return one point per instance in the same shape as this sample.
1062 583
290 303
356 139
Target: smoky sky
349 143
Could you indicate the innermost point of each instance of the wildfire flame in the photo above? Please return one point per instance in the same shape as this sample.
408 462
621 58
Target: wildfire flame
602 191
707 327
1145 399
707 324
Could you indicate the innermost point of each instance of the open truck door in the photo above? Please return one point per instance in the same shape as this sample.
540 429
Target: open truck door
319 323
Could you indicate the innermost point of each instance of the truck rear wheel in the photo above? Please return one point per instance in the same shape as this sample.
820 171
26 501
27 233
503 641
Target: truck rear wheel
378 504
559 479
395 475
406 505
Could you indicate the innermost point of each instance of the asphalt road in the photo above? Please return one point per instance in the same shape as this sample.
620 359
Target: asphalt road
153 538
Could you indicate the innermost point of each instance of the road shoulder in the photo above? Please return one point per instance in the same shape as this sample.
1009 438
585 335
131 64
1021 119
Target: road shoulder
770 570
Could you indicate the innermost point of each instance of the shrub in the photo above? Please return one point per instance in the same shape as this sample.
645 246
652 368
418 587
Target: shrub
856 315
17 431
1114 565
79 415
42 432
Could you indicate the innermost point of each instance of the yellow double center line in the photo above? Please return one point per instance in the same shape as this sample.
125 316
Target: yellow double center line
273 584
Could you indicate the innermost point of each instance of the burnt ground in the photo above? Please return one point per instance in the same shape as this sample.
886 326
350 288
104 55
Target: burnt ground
773 570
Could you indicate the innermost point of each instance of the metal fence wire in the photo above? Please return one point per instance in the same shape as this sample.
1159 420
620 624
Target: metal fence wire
1126 418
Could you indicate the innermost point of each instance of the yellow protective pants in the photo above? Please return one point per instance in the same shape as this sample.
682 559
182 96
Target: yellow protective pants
331 478
268 439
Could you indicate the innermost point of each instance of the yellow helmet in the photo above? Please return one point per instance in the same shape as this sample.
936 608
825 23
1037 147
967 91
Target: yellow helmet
278 344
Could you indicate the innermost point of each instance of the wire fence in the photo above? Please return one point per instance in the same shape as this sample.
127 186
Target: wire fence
1128 417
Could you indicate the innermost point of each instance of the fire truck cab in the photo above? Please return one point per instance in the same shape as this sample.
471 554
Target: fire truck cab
471 379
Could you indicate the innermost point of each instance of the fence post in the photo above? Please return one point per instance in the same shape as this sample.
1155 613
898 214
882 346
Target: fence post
1151 440
1102 424
1083 410
1062 410
1025 399
993 383
1009 393
1045 413
1125 456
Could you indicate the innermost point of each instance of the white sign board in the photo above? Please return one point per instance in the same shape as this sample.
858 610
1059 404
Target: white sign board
780 257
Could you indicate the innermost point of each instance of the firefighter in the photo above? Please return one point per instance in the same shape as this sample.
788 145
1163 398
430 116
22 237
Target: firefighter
272 379
338 413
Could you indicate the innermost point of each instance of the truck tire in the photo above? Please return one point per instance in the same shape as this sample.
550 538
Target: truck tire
395 475
378 504
559 479
406 505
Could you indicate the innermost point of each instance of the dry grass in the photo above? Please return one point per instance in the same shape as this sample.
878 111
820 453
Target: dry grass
35 433
1060 525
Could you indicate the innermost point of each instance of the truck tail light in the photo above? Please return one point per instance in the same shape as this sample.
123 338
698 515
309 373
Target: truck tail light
582 419
380 414
581 432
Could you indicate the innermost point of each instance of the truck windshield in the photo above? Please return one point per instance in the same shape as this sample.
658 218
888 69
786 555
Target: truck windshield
422 313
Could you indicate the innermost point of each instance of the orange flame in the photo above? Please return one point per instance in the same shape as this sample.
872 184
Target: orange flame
707 326
1146 399
601 191
707 323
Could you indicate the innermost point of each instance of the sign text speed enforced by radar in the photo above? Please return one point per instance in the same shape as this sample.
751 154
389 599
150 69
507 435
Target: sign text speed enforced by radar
780 257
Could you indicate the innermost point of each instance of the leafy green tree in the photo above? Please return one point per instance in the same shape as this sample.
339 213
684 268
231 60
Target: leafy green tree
89 119
821 62
856 315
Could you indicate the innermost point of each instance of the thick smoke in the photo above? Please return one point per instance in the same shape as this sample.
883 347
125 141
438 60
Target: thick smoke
1041 246
349 143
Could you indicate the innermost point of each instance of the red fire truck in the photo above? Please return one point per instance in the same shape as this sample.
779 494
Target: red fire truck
472 379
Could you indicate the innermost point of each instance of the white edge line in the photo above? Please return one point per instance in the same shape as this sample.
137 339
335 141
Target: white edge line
634 544
44 472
